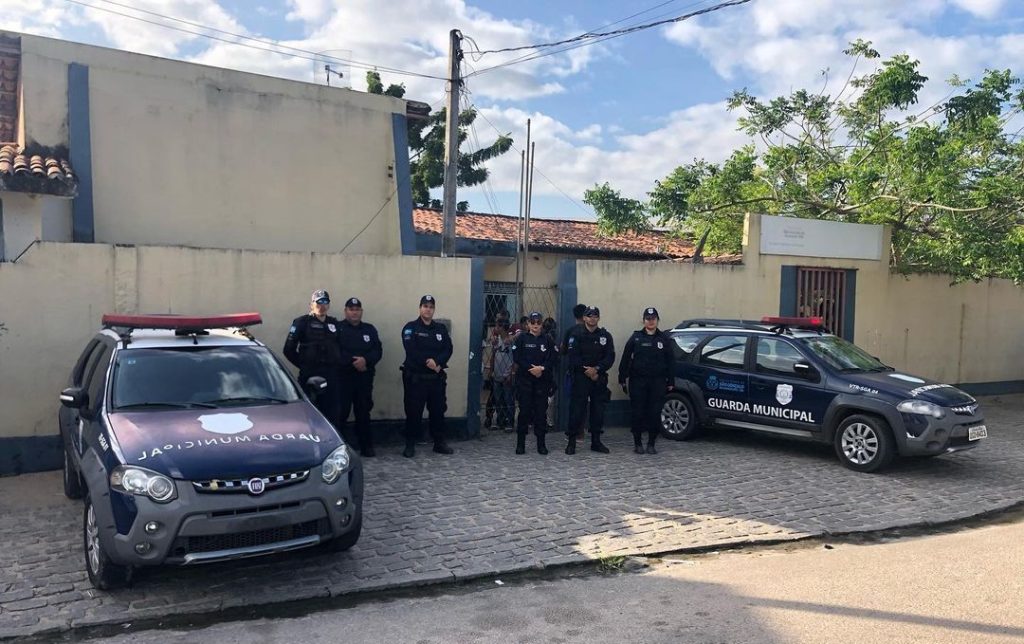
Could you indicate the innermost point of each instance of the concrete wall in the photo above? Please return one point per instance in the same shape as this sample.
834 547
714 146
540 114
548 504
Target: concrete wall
52 299
185 154
541 268
968 333
26 218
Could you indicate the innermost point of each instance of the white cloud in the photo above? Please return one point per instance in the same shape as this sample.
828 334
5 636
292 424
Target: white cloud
35 16
983 8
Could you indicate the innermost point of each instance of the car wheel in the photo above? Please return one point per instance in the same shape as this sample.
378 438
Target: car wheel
73 487
103 573
678 417
864 443
349 539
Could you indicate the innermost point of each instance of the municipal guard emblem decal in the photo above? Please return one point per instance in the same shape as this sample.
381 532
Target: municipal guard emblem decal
784 394
225 423
604 341
661 346
712 382
366 338
332 328
256 486
438 337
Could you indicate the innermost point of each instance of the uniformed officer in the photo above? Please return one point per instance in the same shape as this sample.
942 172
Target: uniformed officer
535 357
590 354
646 364
428 347
361 350
312 346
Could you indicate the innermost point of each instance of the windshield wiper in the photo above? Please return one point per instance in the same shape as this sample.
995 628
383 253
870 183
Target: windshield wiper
165 403
244 399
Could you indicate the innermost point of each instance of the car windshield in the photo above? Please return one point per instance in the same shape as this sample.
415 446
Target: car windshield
843 355
205 377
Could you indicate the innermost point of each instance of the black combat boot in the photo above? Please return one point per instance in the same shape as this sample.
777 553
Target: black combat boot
596 445
638 444
441 447
542 446
570 447
410 450
650 444
521 444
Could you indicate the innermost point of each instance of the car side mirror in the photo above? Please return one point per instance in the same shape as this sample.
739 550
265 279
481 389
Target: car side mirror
316 384
805 370
74 397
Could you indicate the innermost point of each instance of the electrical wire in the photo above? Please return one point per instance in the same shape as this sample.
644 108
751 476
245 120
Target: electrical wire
299 53
377 214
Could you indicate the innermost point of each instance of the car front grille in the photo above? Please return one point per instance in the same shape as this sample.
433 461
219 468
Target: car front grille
216 542
242 485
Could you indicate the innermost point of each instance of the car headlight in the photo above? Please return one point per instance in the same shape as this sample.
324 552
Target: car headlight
921 407
142 482
335 464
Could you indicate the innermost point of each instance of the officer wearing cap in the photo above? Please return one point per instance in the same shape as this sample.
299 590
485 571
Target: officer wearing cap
590 353
312 346
428 347
361 350
646 366
534 355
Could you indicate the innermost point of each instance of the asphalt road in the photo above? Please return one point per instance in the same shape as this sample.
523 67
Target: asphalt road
960 587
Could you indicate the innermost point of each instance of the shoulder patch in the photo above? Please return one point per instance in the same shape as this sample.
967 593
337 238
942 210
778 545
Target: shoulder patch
292 330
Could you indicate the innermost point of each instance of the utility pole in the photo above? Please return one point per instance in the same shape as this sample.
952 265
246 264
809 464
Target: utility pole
451 144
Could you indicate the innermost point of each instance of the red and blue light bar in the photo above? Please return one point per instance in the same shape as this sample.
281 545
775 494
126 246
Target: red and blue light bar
182 322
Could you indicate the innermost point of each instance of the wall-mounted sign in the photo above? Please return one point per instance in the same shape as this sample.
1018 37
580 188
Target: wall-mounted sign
816 238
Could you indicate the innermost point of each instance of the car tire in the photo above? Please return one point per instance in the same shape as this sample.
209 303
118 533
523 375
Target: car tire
864 443
73 486
104 574
349 539
679 417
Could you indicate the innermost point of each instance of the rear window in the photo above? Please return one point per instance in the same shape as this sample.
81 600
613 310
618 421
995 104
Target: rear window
687 342
725 351
199 376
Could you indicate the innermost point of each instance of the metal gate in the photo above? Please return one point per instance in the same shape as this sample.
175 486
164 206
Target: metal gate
821 292
505 297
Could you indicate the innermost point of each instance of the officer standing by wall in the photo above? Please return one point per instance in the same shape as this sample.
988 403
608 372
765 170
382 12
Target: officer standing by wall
361 350
312 346
535 357
646 364
428 347
590 354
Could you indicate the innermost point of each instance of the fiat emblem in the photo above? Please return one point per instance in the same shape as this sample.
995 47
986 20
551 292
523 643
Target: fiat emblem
256 486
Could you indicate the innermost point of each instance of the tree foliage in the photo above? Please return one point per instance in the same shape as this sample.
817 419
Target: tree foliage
426 143
946 177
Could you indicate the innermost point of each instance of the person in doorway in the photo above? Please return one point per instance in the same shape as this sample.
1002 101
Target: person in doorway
590 354
361 350
534 354
428 347
312 346
503 393
550 329
645 374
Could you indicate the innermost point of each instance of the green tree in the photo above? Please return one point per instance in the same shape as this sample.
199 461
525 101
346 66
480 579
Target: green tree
947 178
426 145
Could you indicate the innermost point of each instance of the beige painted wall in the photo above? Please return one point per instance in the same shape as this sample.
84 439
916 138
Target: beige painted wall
26 218
62 290
967 333
541 268
185 154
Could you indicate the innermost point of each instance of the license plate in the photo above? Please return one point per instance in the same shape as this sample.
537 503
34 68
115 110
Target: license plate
977 432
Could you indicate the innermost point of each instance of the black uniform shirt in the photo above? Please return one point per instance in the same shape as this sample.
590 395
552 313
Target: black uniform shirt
647 356
529 350
590 349
425 341
312 344
359 340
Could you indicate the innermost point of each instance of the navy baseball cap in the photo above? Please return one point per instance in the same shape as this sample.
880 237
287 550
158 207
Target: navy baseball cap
353 303
592 311
320 296
535 316
427 299
651 312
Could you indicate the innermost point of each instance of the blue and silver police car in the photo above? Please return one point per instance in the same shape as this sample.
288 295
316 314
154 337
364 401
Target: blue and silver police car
191 443
790 376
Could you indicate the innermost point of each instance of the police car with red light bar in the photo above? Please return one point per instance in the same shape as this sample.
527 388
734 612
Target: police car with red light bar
191 443
791 377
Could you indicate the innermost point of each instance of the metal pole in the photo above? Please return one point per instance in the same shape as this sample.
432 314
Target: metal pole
451 144
522 222
519 220
529 206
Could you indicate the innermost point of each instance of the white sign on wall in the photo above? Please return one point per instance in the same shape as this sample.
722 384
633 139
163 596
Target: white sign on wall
816 238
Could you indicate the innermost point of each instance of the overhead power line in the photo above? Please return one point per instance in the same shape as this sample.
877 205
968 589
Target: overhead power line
620 32
274 47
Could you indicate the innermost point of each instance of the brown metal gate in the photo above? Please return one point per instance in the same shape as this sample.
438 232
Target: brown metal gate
821 292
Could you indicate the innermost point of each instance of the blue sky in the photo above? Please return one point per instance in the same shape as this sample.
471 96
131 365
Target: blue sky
626 111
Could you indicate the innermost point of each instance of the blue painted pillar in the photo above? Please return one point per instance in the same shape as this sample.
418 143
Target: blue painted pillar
80 144
476 331
568 297
403 184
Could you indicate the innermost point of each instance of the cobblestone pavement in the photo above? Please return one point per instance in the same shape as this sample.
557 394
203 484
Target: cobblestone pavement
487 511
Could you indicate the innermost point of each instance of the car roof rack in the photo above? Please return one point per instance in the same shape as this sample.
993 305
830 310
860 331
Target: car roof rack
778 325
182 325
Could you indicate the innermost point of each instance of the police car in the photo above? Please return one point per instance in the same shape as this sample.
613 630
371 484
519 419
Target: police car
789 376
191 443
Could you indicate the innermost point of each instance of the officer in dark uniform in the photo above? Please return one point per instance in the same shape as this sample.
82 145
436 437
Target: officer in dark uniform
312 346
590 354
646 364
534 354
361 350
428 347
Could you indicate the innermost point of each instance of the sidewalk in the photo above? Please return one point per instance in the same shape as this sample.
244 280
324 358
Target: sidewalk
486 511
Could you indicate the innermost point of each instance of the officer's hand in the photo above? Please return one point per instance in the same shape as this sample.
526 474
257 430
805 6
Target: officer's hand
590 372
359 362
625 389
536 371
671 388
431 364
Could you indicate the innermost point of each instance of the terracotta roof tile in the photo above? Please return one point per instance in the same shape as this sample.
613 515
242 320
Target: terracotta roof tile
557 235
36 173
